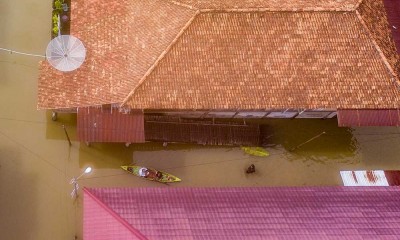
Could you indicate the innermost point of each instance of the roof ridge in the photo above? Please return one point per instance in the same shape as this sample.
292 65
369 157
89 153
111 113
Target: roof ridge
258 9
395 77
183 5
162 55
136 232
192 5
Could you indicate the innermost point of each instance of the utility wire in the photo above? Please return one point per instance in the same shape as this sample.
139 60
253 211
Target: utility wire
22 53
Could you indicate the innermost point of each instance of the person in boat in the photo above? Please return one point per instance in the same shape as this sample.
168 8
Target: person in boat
144 172
149 173
159 175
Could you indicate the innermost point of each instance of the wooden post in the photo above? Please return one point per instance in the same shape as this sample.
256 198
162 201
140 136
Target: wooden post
76 189
54 116
65 130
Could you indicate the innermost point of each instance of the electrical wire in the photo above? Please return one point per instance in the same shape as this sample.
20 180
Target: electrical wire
22 53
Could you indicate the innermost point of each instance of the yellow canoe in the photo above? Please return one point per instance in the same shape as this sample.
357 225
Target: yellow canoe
256 151
166 177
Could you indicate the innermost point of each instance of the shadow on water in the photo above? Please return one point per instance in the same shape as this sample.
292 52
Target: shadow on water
311 139
54 129
300 139
113 155
104 155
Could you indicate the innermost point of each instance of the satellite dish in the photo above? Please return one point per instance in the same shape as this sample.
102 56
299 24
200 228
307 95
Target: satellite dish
65 53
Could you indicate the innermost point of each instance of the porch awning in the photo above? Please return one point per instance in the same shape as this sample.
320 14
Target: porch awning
101 124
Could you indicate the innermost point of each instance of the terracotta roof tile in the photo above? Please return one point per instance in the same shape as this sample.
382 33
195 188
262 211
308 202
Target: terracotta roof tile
274 5
250 54
123 39
374 16
266 60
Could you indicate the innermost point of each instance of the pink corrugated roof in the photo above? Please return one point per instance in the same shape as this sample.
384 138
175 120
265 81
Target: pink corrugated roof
101 223
368 117
251 213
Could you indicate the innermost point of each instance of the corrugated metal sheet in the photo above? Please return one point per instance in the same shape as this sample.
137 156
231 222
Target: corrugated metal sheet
101 124
393 14
368 117
101 217
247 213
393 177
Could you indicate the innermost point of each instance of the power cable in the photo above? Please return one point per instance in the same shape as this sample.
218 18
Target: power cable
21 53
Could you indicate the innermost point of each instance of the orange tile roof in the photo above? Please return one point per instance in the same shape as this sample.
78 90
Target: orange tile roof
251 54
123 39
374 17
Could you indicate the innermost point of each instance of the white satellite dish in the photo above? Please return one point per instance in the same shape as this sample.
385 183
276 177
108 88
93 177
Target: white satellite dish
65 53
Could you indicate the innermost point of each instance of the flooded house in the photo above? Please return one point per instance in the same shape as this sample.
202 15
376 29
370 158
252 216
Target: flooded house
187 70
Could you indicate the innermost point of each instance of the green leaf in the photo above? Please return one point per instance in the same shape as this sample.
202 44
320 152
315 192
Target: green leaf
58 4
55 30
55 18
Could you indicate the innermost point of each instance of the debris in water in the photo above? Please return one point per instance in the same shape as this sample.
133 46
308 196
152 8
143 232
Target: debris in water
251 169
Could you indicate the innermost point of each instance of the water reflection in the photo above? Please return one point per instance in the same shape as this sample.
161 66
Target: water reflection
294 140
173 155
311 140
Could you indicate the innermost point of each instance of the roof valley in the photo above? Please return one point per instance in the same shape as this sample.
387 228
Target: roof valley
162 55
183 5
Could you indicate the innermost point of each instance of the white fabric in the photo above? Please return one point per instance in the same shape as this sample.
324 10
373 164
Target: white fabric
142 172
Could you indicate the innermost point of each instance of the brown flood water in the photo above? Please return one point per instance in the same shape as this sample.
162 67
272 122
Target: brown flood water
36 163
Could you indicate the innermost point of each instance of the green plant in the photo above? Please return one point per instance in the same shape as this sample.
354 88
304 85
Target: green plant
58 4
55 19
55 23
55 30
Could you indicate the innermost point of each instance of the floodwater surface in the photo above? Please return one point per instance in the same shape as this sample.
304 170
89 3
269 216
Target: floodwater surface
36 162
